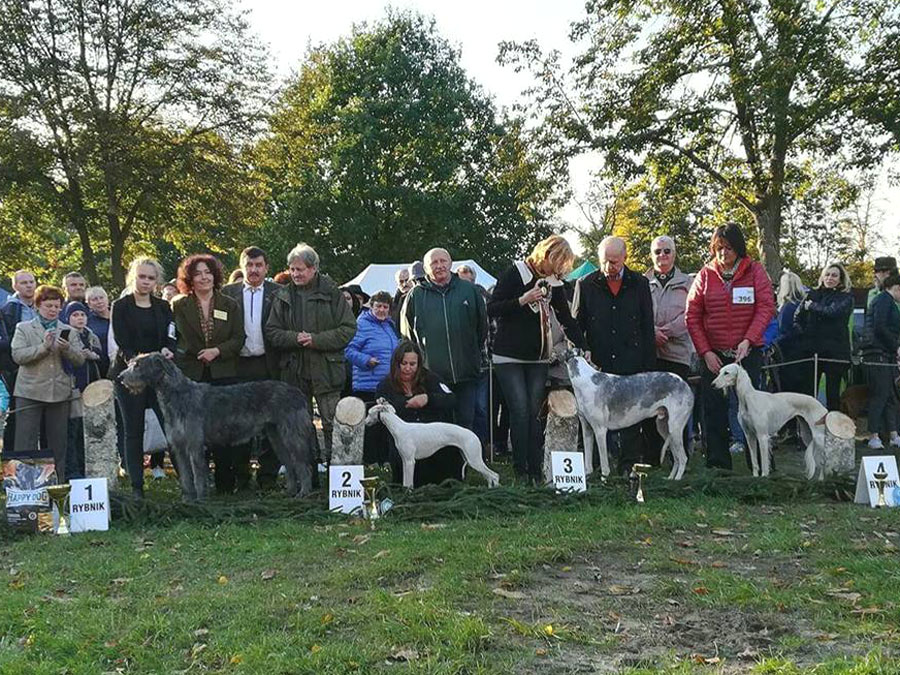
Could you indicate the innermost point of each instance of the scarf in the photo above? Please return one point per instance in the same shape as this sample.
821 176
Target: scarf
206 322
48 324
664 279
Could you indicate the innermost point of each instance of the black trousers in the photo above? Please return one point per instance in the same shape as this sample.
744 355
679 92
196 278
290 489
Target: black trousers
132 407
882 396
376 449
715 409
653 441
834 374
232 462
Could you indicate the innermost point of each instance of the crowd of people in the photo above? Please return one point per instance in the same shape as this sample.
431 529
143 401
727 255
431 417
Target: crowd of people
436 346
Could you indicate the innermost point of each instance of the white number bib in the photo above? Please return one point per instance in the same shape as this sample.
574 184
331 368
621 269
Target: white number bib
743 296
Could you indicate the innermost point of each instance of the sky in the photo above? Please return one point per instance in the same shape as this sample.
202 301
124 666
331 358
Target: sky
476 28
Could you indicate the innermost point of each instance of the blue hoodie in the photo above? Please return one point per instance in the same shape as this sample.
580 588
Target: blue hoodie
373 338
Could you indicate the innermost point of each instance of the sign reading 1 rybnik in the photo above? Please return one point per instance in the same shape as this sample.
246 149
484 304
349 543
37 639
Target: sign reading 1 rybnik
345 492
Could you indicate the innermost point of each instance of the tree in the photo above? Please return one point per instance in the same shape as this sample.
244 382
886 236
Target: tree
123 117
382 147
738 88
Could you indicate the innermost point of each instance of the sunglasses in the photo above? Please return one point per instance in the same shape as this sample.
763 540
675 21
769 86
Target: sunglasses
658 251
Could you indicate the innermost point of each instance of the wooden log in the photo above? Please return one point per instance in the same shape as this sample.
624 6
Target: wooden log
101 459
840 443
349 430
561 434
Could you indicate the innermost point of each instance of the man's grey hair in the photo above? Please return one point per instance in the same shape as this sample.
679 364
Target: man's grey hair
469 269
663 240
399 272
426 259
305 254
72 275
611 242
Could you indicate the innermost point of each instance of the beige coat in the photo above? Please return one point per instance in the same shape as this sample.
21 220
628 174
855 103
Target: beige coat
41 375
668 313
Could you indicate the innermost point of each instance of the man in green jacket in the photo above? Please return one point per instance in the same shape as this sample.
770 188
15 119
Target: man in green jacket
446 317
310 324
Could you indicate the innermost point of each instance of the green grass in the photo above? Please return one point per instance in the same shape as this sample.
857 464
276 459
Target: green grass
676 586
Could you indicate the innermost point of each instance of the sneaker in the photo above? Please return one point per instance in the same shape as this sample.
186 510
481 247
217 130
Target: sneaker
895 441
875 443
282 470
158 473
736 448
323 468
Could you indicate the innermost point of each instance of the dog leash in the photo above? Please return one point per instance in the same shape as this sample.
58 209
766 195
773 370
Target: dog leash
40 404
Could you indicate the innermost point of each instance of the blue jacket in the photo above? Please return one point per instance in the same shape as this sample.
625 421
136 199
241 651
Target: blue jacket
376 339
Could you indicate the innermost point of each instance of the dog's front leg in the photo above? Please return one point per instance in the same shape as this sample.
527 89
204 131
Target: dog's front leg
600 435
753 449
409 466
200 469
588 435
764 449
185 477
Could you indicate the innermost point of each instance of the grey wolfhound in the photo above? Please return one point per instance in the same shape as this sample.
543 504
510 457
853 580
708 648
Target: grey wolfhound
198 414
609 402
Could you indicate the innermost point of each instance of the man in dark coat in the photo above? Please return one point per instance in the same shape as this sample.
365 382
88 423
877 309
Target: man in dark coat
257 361
614 308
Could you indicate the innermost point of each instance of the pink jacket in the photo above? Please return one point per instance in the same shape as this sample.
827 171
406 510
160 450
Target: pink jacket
719 315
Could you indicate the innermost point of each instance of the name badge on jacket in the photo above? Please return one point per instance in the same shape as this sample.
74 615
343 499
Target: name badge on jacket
222 315
743 296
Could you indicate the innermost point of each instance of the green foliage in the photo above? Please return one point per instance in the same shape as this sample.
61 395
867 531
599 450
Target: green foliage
737 89
382 147
123 121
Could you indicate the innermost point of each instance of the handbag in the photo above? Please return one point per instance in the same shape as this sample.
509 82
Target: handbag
154 438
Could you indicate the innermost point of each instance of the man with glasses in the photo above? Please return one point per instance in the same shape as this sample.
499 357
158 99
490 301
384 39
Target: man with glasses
669 288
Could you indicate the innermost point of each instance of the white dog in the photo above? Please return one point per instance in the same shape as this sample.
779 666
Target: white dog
610 402
415 440
762 414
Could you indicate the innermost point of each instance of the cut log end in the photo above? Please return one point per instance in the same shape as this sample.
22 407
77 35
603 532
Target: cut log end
562 403
350 411
840 425
97 393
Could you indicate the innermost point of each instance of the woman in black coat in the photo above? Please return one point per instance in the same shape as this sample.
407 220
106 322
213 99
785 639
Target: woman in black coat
824 319
142 323
418 395
523 300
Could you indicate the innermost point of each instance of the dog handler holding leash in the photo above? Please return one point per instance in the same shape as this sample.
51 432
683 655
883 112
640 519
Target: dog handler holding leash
729 306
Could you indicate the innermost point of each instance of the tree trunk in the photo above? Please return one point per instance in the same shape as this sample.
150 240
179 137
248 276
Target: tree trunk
768 219
349 431
101 459
561 434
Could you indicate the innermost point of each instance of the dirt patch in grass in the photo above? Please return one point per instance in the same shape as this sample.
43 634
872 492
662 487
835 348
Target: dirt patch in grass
608 611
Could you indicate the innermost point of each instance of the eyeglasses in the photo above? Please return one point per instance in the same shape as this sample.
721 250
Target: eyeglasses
659 251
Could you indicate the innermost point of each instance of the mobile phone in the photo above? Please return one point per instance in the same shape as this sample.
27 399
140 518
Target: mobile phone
64 335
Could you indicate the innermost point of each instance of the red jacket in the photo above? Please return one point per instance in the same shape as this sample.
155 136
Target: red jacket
720 315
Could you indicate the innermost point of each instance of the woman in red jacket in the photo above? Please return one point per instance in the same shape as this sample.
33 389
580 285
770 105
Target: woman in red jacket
729 306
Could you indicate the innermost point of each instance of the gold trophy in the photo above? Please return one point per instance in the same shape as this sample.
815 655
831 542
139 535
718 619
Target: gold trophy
60 495
371 510
638 473
880 479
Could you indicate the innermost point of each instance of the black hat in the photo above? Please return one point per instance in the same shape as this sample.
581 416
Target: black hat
356 289
886 263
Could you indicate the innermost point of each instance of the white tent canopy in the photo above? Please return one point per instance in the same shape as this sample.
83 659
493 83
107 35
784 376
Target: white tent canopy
381 277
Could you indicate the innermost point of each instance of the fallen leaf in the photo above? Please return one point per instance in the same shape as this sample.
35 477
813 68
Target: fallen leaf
712 660
548 629
748 653
433 526
540 652
724 533
850 596
327 619
865 611
201 632
381 554
566 568
268 574
236 659
617 589
361 538
700 590
404 655
511 595
683 561
222 580
718 564
315 649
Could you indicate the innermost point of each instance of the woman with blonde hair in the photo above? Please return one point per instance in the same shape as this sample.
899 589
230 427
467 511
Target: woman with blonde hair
824 321
796 377
141 323
525 296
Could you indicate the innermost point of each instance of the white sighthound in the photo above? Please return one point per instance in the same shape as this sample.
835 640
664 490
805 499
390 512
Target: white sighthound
762 414
418 440
611 402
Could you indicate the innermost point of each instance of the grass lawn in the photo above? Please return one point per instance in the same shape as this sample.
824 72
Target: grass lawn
683 584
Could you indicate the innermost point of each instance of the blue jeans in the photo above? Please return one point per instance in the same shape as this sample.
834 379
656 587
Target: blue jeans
524 386
466 403
482 414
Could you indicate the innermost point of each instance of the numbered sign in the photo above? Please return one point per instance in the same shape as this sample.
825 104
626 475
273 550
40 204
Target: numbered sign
345 493
867 484
89 504
568 471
